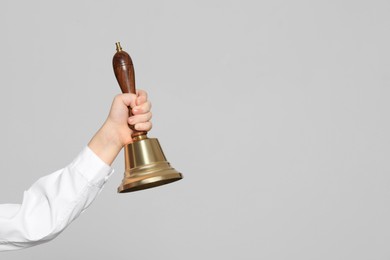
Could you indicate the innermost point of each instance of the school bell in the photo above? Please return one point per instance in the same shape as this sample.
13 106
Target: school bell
145 163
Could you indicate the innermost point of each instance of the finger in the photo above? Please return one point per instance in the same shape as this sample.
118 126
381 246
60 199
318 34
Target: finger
140 118
146 126
141 92
128 99
140 100
142 109
142 96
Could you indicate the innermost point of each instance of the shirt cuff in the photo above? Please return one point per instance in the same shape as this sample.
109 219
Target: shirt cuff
93 169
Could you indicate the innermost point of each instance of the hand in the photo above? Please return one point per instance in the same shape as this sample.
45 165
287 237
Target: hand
119 120
115 132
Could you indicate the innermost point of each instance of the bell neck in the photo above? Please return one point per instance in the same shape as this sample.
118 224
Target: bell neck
138 137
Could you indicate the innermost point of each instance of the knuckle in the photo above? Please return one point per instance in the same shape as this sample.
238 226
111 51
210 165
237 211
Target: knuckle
143 92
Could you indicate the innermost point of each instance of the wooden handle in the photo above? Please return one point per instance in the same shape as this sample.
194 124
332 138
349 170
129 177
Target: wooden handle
124 73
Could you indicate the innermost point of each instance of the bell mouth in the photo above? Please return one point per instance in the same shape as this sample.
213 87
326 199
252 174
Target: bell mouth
149 181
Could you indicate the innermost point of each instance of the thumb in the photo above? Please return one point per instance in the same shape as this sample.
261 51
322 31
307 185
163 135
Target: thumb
128 99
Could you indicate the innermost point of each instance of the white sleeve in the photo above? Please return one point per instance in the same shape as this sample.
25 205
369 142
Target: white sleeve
53 202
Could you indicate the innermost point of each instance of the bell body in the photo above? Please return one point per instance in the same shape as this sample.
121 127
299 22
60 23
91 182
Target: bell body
146 166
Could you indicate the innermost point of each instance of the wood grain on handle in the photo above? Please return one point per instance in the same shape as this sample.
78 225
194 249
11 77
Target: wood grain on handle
124 73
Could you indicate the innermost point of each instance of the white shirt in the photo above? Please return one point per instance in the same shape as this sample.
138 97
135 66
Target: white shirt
53 202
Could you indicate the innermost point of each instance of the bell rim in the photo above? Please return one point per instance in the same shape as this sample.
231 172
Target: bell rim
149 182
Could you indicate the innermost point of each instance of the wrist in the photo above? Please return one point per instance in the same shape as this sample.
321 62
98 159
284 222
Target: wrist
111 134
106 143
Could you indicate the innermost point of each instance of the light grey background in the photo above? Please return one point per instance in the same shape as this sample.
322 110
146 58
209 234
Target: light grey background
277 113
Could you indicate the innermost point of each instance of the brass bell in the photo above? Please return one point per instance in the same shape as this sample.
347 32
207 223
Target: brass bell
145 163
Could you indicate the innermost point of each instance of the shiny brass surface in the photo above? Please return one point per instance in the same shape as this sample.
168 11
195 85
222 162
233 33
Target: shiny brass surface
146 166
118 46
139 137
